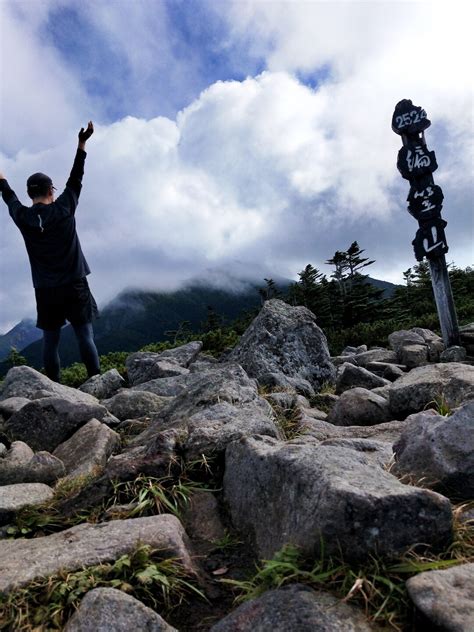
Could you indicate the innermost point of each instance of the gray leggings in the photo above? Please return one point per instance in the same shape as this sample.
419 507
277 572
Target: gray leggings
88 350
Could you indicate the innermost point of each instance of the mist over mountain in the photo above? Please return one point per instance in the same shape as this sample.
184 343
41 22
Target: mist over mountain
137 317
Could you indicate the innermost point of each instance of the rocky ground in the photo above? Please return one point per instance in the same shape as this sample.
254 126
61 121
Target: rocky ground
145 505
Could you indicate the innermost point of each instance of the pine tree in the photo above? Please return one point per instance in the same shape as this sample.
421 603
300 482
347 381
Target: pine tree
269 291
358 299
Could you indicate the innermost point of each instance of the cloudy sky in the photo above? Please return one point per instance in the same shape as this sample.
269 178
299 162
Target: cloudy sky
241 139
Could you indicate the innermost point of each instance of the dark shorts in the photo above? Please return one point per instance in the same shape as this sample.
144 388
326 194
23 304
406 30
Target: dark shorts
73 302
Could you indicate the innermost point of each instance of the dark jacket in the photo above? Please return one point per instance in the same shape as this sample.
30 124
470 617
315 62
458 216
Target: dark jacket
49 231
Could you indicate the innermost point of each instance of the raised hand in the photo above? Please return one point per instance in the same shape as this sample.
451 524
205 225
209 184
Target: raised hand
84 135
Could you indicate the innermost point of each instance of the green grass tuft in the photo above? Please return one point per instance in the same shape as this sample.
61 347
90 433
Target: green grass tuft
46 604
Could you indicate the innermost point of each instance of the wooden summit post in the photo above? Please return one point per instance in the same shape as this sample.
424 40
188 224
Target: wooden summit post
416 164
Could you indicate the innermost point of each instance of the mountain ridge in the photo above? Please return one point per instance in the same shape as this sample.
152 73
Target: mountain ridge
136 317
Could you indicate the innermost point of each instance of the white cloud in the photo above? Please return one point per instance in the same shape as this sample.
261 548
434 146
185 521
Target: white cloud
264 170
40 101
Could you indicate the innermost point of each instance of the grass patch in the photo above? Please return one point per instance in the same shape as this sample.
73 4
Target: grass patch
376 586
48 518
147 496
440 405
47 604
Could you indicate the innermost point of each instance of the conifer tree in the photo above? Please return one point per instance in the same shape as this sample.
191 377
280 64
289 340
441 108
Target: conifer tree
269 291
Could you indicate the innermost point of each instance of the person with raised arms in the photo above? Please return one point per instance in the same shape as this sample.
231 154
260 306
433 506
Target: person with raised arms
58 266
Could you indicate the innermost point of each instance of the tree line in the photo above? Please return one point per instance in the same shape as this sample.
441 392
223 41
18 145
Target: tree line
352 310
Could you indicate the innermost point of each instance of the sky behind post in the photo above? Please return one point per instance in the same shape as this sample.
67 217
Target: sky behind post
241 138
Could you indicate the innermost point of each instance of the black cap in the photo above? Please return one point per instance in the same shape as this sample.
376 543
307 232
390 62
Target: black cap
38 181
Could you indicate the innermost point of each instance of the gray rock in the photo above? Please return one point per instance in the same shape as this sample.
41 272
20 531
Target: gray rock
354 350
451 354
377 452
307 494
112 610
285 339
393 372
167 386
184 355
47 422
342 359
376 355
434 342
446 597
103 386
87 545
440 451
21 465
88 449
203 522
155 457
210 430
320 430
380 368
221 405
413 355
23 381
130 404
313 413
19 453
414 390
146 366
350 376
295 608
3 450
382 391
466 333
359 407
291 384
15 497
404 337
12 405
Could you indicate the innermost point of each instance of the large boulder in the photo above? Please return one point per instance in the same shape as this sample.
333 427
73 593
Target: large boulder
45 423
88 448
21 465
423 385
295 608
287 340
222 404
145 365
446 597
23 381
439 451
359 407
16 497
313 495
109 609
89 545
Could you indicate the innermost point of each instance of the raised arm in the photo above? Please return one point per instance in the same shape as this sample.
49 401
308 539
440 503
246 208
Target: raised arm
75 178
9 197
